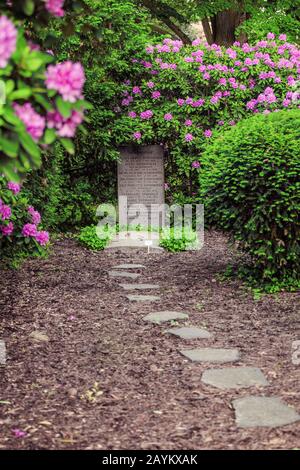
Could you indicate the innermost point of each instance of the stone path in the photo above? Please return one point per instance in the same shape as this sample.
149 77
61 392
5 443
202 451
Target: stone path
190 332
212 355
2 353
123 274
143 298
139 286
234 377
250 411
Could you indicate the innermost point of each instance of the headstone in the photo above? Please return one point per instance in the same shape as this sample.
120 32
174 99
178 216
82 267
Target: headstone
263 411
141 181
234 377
164 316
211 355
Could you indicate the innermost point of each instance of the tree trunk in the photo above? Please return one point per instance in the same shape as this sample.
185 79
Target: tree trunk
221 28
207 30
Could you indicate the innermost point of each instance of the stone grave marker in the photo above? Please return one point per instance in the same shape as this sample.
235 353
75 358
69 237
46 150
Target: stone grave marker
141 181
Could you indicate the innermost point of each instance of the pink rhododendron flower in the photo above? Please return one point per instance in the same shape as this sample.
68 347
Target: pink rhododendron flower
196 164
180 102
146 114
208 133
5 211
156 94
188 123
35 215
42 237
150 84
34 122
8 40
67 78
282 37
271 36
137 135
14 187
136 90
196 42
18 433
189 137
64 127
132 114
55 7
7 230
29 230
168 117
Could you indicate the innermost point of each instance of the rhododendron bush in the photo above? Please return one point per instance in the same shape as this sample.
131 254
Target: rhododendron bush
185 94
21 231
41 101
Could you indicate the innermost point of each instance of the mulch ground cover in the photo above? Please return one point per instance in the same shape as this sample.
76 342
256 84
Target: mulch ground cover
105 379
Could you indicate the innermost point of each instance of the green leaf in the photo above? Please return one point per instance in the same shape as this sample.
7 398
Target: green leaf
9 147
42 101
22 94
9 86
31 147
50 136
68 145
63 107
28 7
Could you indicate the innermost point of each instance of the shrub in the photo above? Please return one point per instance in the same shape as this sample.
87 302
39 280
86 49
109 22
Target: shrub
184 94
36 106
89 238
176 239
21 233
251 187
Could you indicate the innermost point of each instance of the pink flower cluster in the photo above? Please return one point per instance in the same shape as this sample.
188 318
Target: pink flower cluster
14 187
259 78
35 215
67 78
31 231
146 114
8 40
5 211
65 127
34 122
7 230
55 7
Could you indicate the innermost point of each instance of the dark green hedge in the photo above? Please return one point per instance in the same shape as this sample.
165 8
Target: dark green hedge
250 182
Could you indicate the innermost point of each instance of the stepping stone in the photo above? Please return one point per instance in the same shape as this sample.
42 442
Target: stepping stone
39 337
143 298
129 266
190 332
164 316
123 274
234 377
263 411
2 353
139 286
211 355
